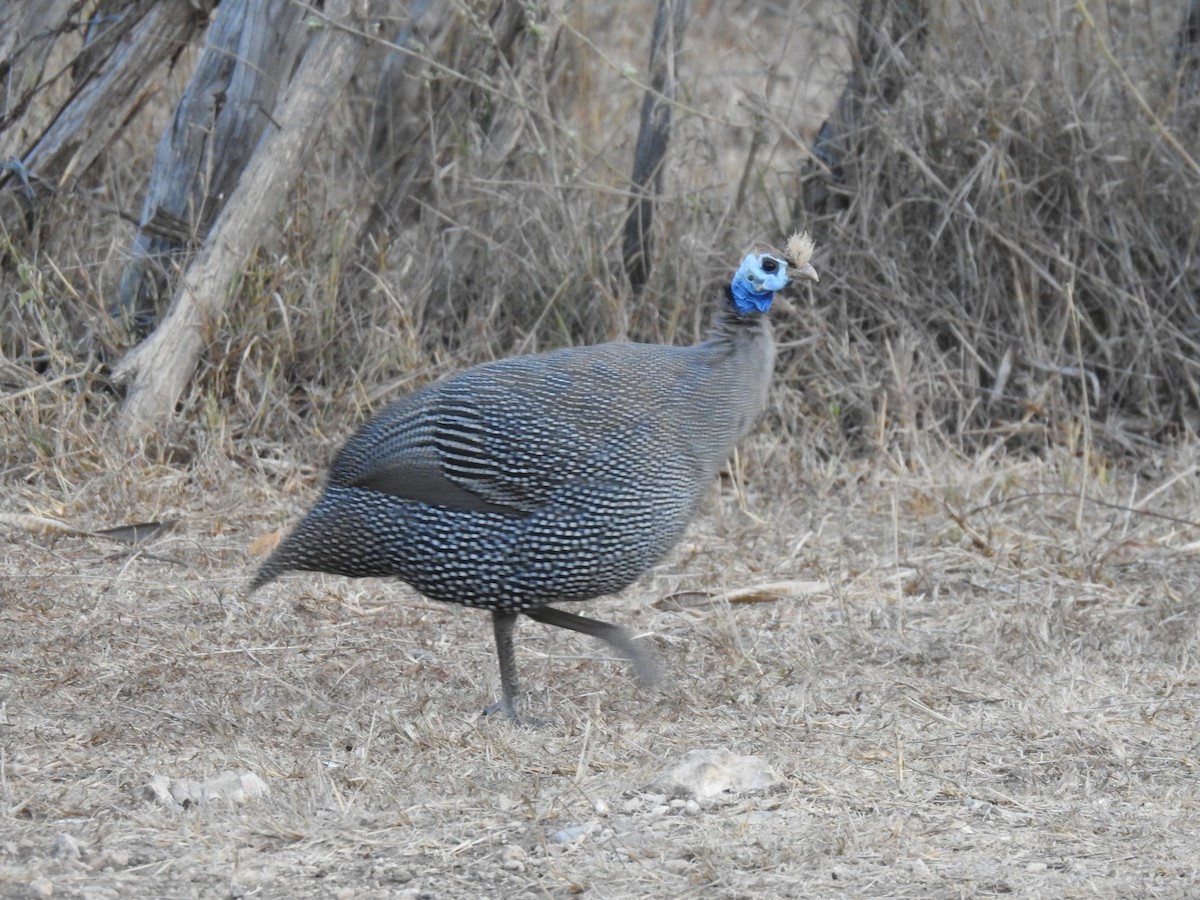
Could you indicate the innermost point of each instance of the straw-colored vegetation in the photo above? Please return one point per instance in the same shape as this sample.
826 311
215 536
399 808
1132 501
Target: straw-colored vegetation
947 592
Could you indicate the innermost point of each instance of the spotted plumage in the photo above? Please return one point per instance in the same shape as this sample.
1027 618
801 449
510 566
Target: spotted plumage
554 477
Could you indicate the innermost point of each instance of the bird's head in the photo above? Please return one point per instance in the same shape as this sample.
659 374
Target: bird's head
765 270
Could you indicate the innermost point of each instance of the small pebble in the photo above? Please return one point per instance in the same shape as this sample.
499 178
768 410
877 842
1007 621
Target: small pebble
508 804
600 807
346 893
512 851
1036 868
691 808
41 887
918 868
392 874
568 834
65 847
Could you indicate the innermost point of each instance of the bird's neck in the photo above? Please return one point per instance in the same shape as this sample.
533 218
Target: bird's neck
732 326
739 358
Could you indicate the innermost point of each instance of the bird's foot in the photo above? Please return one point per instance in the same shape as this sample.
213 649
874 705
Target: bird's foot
507 710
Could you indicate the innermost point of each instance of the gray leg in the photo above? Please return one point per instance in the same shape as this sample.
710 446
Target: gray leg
616 637
502 626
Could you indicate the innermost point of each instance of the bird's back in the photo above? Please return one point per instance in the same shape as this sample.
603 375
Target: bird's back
516 431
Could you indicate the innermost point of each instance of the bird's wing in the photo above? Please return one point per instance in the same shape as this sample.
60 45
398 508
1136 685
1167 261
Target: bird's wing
415 450
426 482
503 437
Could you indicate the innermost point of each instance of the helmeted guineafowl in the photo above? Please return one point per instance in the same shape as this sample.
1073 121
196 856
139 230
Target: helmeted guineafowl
553 477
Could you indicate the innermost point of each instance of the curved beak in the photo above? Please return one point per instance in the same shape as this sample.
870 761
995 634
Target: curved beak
807 272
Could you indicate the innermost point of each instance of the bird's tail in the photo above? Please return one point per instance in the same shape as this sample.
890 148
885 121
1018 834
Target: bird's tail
341 535
286 556
265 575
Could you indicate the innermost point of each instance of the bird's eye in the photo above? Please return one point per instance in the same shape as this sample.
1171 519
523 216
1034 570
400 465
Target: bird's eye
769 265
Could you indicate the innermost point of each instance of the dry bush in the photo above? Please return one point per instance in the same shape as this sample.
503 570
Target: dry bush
509 243
1017 250
1018 243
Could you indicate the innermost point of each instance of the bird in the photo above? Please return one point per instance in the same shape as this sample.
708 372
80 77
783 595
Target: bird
552 477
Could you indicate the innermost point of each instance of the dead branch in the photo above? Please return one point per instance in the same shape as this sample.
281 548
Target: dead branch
249 53
158 370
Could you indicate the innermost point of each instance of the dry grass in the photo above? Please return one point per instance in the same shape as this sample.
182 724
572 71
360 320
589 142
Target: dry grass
1019 239
995 695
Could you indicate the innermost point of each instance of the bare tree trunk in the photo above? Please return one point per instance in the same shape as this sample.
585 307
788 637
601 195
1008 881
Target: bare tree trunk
158 370
889 42
103 98
1187 51
248 55
653 137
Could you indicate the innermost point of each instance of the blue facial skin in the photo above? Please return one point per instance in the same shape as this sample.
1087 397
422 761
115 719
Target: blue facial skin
756 281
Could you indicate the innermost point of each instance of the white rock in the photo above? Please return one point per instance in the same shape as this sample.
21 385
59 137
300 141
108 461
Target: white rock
156 790
185 791
235 787
705 774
